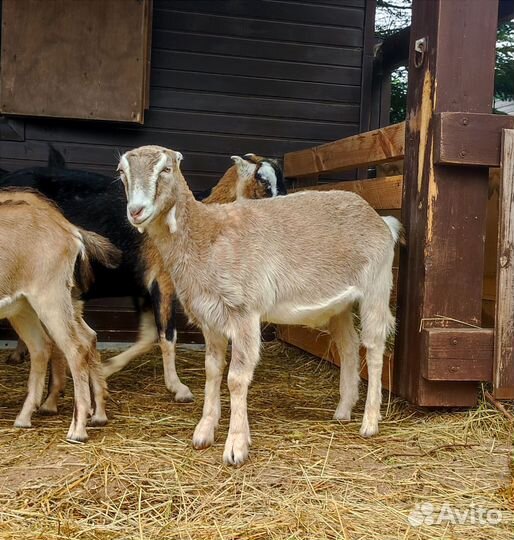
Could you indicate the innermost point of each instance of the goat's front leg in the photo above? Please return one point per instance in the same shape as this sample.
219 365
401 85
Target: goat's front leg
215 352
146 339
245 356
167 342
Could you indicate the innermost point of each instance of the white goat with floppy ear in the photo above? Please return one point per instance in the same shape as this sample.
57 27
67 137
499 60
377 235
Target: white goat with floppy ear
302 259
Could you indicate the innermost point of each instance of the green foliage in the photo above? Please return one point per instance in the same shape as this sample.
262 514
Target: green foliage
504 83
398 95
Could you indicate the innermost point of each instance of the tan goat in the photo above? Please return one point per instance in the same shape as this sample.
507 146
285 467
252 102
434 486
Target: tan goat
43 259
303 259
266 182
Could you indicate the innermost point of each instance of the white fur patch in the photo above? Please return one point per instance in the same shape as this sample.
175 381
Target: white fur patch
314 315
267 173
394 226
171 220
124 164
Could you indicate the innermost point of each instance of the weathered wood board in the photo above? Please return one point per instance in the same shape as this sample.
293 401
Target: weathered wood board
86 59
378 146
471 139
458 354
503 382
441 272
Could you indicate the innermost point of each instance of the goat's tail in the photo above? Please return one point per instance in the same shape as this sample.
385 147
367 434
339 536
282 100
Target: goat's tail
396 229
96 248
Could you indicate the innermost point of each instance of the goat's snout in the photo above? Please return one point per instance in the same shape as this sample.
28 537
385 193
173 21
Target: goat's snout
136 211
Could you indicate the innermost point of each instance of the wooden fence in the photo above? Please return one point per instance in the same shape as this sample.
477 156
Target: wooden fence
455 351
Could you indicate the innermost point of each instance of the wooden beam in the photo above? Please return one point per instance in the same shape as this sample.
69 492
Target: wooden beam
469 138
458 354
443 210
503 386
378 146
384 193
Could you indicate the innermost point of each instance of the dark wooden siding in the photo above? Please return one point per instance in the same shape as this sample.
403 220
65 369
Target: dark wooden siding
227 77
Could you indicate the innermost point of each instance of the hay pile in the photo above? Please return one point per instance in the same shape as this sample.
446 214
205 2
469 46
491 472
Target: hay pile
308 477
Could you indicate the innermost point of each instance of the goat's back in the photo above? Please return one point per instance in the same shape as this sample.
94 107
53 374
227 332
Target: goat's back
37 244
306 245
96 203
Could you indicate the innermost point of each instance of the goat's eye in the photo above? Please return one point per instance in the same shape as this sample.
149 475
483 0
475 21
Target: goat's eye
166 170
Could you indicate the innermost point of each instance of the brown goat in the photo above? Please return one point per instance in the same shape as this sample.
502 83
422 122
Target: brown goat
44 262
266 182
305 259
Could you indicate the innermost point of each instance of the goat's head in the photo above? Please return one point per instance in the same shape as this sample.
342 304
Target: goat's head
264 173
149 174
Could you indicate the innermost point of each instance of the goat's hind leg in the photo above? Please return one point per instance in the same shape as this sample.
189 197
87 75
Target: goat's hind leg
28 327
60 321
97 383
343 333
215 352
377 322
164 306
147 337
56 382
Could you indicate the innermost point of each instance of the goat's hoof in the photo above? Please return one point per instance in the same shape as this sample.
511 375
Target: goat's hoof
204 435
77 438
368 429
98 421
184 395
15 358
48 409
343 414
22 423
237 448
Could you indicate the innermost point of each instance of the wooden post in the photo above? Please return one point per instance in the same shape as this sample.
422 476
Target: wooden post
503 372
451 68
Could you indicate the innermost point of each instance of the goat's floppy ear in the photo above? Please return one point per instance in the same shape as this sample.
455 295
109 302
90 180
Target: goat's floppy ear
179 157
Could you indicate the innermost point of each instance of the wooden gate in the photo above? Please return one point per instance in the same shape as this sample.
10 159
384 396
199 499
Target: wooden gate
448 143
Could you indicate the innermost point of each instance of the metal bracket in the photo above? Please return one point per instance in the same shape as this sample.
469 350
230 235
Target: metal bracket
420 47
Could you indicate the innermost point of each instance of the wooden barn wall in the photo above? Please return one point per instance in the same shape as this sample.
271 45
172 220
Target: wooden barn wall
227 77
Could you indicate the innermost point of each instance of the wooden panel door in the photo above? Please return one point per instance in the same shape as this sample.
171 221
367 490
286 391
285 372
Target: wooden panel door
75 59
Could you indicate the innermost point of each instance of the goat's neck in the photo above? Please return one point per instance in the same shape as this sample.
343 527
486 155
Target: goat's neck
184 233
225 190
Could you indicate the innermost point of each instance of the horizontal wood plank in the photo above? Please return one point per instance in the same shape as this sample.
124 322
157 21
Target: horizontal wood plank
257 48
458 354
383 193
469 138
256 67
211 102
248 27
371 148
341 15
246 84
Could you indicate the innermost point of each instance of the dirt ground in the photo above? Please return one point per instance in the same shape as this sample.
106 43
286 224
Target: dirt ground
444 474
